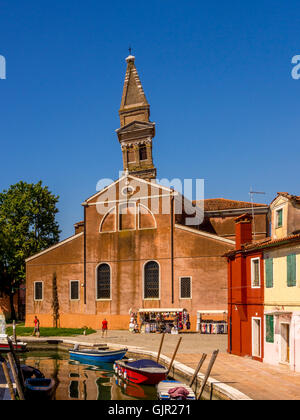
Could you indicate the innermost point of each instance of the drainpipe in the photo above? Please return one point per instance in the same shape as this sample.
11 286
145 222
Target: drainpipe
84 255
172 246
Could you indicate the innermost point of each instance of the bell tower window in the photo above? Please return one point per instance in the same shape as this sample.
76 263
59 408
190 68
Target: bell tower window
130 155
143 152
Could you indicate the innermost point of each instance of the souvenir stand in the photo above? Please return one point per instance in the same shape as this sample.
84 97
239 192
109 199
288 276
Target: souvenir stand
168 320
212 322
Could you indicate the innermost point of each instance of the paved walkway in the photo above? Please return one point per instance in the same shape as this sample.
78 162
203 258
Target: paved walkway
257 380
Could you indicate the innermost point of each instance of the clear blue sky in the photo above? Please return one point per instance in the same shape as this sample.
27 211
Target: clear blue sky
217 76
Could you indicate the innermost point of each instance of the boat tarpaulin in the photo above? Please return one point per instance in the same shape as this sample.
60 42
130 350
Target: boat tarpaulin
144 363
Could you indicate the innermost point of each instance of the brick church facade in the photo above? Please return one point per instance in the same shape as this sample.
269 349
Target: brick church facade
133 250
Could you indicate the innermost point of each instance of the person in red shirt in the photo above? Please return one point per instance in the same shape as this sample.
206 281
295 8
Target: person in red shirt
36 331
104 327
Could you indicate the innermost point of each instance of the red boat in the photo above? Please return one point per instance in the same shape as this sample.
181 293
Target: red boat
143 372
19 347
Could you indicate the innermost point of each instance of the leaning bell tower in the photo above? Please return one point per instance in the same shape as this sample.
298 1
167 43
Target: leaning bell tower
136 132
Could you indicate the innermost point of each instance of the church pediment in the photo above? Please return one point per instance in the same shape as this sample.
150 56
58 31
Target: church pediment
135 126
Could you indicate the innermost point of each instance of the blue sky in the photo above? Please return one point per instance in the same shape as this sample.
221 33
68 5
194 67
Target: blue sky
217 76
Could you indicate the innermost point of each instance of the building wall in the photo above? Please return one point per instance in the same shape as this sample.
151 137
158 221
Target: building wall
5 305
225 226
244 304
284 303
281 295
127 252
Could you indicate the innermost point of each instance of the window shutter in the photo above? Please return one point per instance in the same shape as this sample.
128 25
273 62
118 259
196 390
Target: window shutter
291 271
280 214
269 273
270 329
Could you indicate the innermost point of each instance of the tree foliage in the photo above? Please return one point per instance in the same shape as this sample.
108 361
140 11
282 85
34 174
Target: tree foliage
55 301
27 226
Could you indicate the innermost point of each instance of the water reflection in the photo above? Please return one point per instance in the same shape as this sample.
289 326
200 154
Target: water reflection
77 381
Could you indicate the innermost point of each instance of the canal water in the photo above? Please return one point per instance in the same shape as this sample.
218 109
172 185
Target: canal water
77 381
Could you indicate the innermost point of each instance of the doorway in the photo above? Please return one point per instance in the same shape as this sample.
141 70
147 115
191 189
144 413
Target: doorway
256 337
285 343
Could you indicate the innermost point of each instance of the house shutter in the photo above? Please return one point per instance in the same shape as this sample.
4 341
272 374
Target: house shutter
280 218
291 271
269 272
270 329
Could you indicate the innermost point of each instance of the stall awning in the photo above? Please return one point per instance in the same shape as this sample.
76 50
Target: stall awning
161 310
212 312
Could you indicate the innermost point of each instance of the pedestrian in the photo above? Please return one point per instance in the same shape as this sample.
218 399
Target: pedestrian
36 331
104 327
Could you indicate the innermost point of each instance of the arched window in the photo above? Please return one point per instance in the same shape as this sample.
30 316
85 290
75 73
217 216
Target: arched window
108 223
103 282
146 218
127 216
151 280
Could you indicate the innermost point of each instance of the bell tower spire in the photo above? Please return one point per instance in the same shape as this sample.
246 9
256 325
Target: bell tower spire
137 131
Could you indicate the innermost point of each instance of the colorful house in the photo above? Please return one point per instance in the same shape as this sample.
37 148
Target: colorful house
245 295
280 286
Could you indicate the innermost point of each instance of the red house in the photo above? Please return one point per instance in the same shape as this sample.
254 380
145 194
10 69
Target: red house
245 294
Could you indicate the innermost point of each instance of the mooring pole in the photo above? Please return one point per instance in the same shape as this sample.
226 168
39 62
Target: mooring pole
14 331
174 355
8 381
209 369
204 355
16 377
160 348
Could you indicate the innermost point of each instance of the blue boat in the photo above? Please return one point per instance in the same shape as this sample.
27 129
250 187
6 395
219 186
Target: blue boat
39 389
97 356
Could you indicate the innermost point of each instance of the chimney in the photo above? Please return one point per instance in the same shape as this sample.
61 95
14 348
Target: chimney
79 227
243 230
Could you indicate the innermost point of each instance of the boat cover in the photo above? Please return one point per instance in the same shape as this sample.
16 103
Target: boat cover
144 364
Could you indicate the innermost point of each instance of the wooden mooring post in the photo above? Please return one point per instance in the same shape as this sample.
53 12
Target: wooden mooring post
174 355
8 381
160 347
208 372
16 377
204 356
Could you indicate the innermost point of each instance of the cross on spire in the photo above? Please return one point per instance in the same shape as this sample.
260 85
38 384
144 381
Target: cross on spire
130 50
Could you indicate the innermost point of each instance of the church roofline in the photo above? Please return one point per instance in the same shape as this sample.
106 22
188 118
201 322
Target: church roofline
154 184
205 234
54 247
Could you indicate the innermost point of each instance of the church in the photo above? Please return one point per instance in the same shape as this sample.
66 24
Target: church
135 251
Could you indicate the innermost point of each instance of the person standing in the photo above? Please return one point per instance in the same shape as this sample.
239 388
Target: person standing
104 327
36 331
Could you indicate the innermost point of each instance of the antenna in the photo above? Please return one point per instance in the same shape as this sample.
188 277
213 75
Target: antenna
252 194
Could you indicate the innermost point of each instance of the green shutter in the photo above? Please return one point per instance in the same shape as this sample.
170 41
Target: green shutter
269 272
269 328
279 220
291 271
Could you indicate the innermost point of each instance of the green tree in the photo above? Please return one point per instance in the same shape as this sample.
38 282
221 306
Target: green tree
55 301
27 226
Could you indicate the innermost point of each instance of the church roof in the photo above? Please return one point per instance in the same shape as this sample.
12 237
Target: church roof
217 204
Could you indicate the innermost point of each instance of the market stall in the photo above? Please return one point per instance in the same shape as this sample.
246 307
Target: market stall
168 320
212 322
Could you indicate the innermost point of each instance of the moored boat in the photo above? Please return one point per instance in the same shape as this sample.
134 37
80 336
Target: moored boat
39 389
4 346
29 372
97 356
174 390
143 372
